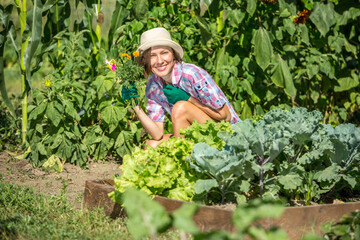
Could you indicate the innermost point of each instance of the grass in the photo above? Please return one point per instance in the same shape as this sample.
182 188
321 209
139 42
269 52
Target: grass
27 215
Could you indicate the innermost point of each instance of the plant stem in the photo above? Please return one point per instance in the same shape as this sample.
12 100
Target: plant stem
262 162
298 152
24 104
261 184
24 90
58 29
222 193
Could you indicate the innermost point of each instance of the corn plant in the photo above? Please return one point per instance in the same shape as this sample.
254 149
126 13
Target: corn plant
26 47
6 26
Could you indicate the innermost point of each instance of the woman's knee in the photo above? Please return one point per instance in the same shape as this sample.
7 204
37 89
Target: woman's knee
180 109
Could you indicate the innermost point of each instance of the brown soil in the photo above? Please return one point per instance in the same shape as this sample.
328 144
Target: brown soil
70 181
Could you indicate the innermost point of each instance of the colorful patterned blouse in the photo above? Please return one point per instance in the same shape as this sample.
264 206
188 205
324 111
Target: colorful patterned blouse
191 79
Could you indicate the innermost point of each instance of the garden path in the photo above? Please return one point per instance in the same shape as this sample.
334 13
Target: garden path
72 178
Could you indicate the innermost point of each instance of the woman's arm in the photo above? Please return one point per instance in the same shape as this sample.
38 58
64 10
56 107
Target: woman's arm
155 129
222 113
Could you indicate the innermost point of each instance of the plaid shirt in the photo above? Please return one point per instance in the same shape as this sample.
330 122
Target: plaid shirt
192 79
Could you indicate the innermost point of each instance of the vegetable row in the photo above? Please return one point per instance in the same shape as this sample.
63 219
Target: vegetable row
286 154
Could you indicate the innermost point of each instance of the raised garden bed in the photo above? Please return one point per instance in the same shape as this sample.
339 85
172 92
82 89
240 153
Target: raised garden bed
296 221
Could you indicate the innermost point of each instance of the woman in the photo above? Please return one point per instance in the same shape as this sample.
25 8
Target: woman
185 91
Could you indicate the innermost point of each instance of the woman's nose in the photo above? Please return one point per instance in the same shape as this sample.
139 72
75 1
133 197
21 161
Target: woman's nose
159 59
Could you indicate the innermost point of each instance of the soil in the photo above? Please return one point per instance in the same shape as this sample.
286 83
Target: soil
71 181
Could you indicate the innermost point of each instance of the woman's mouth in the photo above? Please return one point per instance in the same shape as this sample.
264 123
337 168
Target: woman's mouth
161 68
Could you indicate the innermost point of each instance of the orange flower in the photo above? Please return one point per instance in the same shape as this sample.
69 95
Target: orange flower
125 55
136 54
302 17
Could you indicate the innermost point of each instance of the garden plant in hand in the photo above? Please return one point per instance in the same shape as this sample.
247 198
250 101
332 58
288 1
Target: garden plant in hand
127 73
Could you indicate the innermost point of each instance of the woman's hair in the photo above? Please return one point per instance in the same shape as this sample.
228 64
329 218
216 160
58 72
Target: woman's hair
144 60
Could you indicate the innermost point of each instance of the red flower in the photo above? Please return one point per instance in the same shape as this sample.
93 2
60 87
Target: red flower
302 17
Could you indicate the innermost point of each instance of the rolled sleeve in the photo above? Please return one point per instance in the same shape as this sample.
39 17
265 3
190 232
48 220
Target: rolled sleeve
155 105
155 111
208 92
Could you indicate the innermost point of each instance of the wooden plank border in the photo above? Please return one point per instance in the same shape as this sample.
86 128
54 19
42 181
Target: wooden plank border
296 221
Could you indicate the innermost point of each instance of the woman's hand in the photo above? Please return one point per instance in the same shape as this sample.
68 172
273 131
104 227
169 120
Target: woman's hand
127 93
174 94
155 129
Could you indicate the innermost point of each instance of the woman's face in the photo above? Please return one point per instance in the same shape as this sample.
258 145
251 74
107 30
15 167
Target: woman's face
162 61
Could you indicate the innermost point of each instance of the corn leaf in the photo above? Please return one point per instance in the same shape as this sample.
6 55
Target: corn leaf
6 26
34 40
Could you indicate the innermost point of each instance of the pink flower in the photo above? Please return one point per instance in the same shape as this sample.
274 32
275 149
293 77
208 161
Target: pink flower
111 65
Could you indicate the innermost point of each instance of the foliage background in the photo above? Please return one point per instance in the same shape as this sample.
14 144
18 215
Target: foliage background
259 57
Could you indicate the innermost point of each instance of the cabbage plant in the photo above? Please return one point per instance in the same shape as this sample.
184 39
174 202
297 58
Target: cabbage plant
285 154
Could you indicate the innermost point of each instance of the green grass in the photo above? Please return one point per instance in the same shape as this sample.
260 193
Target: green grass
27 215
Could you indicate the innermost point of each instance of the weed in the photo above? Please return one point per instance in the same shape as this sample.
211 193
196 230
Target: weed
48 184
9 129
79 197
21 171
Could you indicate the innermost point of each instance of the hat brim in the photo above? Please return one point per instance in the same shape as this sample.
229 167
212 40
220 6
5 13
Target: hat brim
164 42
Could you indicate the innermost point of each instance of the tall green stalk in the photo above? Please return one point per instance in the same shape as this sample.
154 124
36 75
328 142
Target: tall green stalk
95 35
24 102
30 39
24 93
100 20
57 26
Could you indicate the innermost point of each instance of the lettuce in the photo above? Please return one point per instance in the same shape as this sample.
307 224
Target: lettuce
207 133
161 171
164 171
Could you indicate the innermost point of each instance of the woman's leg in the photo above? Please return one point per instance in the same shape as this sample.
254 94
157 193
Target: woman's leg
183 115
153 143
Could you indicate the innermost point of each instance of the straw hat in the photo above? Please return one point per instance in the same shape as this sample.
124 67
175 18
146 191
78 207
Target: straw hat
158 37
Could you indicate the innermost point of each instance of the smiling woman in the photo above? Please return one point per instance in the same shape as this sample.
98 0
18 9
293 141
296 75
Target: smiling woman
162 62
185 91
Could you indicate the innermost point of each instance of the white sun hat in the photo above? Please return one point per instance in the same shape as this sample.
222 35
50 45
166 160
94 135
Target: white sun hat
158 37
